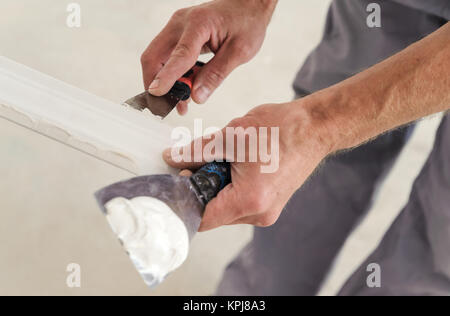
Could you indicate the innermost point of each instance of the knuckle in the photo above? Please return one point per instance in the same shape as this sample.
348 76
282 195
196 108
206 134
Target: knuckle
144 58
214 77
200 19
207 15
179 14
245 122
182 50
237 122
263 109
255 203
261 116
266 220
243 50
198 13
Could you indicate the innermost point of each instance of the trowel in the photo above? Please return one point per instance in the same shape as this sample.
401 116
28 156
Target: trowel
187 197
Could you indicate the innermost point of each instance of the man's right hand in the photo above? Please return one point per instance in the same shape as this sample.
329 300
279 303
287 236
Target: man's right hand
233 30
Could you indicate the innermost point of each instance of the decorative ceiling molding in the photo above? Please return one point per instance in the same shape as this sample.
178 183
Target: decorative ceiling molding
118 135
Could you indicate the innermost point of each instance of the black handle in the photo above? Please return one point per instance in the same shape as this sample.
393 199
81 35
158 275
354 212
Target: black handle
183 87
210 179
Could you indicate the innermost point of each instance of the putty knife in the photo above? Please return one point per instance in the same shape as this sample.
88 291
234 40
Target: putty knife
161 106
186 196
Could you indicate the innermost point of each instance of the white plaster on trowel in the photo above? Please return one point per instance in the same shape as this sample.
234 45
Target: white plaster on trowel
119 135
154 237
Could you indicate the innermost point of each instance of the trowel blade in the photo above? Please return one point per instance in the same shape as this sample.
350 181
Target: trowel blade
175 191
159 106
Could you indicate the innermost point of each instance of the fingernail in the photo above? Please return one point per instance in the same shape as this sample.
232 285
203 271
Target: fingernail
185 173
202 94
182 108
154 85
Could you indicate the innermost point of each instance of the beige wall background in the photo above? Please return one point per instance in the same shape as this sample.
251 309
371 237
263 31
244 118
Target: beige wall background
48 217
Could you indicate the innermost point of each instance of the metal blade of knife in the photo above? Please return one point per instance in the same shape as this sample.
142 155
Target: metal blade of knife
162 105
185 196
159 106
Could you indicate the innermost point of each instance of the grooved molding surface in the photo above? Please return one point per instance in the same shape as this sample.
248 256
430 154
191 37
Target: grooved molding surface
114 133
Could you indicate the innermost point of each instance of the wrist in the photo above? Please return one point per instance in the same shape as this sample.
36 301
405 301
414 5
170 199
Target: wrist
316 121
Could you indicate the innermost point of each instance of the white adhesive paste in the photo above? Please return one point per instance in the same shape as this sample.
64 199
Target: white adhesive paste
155 238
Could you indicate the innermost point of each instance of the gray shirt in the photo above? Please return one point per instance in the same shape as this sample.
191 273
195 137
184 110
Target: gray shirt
350 46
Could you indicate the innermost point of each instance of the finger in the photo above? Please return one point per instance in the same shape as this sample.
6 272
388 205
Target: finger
185 173
214 72
182 107
182 59
197 153
223 209
157 54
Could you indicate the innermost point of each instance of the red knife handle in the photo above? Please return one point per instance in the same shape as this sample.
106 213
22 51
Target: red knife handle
183 87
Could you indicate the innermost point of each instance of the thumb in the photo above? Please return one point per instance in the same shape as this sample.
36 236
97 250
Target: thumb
224 209
214 73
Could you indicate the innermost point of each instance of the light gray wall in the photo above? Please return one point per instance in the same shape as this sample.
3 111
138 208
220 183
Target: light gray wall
48 217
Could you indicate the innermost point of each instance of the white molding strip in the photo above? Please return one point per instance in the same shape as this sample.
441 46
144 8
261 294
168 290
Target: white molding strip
121 136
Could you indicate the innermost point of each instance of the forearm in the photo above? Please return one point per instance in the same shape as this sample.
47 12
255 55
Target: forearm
408 86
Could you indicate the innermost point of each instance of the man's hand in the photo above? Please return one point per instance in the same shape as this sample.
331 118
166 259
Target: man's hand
233 30
254 197
410 85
